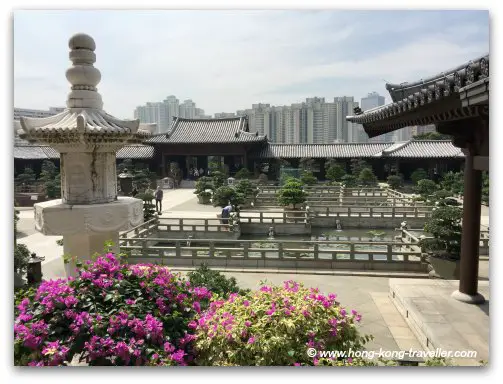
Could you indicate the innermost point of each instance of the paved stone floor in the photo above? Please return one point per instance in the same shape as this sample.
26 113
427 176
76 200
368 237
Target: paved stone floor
367 294
439 321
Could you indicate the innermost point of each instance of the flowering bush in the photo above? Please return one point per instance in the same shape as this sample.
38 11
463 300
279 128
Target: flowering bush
276 326
110 314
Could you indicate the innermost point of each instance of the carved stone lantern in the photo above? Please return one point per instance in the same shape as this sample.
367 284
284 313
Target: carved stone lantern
89 212
126 182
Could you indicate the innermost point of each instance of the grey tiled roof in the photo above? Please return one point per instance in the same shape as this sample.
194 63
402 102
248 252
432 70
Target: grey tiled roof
36 152
31 153
136 152
343 150
410 98
407 149
228 130
424 149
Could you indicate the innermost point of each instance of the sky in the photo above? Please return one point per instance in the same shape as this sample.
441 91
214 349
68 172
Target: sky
228 60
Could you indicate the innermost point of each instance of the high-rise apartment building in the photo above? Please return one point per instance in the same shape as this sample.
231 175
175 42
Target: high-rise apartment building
344 129
26 112
224 115
373 100
187 109
163 113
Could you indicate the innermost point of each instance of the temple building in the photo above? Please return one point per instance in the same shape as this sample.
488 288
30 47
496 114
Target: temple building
193 143
457 102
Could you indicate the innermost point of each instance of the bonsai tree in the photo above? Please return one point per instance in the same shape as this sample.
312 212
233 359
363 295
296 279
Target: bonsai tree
307 178
247 189
27 177
203 189
335 173
418 174
395 181
453 182
217 179
357 165
262 179
330 162
125 164
292 193
148 205
225 195
49 175
243 173
367 177
426 188
307 164
349 181
445 227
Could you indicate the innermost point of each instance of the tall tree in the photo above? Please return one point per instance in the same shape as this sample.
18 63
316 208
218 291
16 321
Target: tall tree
432 136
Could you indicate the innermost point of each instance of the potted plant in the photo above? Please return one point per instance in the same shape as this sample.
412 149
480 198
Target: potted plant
395 181
248 190
203 189
226 195
367 178
243 173
335 173
444 247
307 178
292 195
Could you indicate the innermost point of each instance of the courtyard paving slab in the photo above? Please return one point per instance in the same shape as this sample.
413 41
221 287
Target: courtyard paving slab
439 321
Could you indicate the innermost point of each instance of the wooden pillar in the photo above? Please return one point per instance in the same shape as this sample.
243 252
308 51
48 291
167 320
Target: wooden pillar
469 263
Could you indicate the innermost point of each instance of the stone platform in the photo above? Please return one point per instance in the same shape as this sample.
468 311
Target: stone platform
439 321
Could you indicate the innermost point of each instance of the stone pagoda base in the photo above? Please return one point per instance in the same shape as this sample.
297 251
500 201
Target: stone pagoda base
86 228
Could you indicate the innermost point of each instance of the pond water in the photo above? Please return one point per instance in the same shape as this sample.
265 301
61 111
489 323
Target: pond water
269 245
333 235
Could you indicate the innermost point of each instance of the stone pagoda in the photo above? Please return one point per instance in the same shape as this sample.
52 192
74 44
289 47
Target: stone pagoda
89 212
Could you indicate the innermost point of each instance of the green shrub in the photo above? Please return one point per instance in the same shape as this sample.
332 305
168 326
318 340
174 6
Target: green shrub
247 189
22 256
262 179
148 205
217 179
225 195
335 173
426 187
445 227
307 178
453 182
394 181
27 177
349 181
204 187
292 193
418 174
367 178
275 326
243 173
357 165
214 281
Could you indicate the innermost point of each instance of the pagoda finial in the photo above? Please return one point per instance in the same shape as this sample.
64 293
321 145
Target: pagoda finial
83 76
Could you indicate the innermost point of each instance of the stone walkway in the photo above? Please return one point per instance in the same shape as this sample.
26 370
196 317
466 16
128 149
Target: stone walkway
439 321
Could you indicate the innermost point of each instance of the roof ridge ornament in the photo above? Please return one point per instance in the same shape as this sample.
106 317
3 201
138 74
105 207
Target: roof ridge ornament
82 75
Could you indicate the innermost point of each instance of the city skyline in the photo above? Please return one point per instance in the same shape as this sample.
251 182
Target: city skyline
273 57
